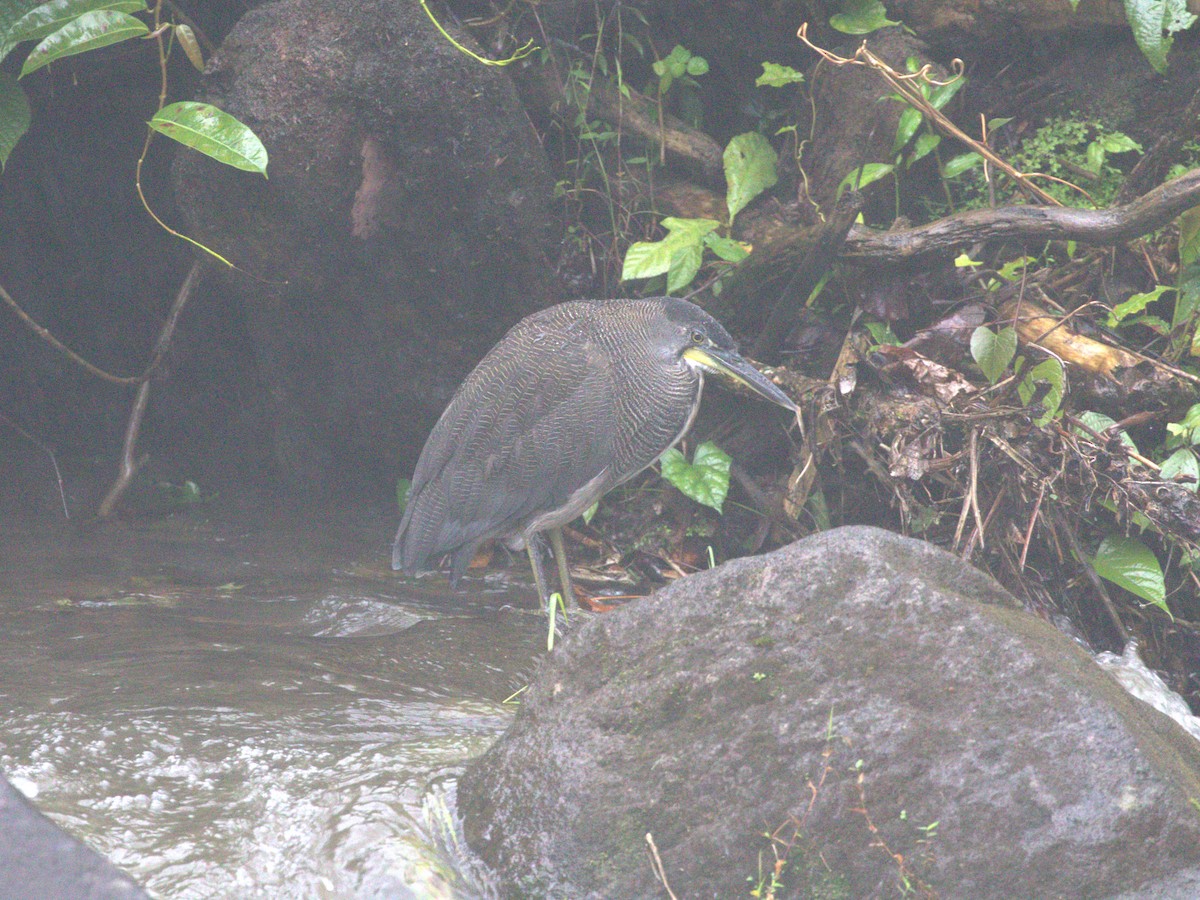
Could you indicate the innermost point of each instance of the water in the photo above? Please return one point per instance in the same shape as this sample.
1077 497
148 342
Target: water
260 709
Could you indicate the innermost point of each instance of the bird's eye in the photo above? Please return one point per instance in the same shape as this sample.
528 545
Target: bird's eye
697 337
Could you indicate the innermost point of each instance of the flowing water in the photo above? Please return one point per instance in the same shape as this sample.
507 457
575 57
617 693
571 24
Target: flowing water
258 709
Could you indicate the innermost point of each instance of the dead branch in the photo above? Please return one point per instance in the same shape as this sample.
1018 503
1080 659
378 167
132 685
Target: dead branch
130 465
1027 223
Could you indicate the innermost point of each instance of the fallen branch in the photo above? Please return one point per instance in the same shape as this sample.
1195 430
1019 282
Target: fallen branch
1028 223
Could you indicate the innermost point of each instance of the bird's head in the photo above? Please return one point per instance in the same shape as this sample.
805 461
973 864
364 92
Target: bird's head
702 343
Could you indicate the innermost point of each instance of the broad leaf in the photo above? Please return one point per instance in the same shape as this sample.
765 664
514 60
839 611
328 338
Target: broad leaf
11 12
776 75
726 248
964 162
1135 304
1182 463
864 175
1130 564
214 133
749 170
1100 423
923 146
14 116
1050 373
50 17
685 263
705 479
993 351
1149 19
645 259
90 31
910 121
861 17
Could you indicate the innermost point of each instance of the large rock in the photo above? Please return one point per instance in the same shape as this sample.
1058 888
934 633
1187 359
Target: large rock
406 223
887 714
38 860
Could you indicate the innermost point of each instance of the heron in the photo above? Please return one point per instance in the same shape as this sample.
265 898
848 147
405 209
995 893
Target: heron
573 401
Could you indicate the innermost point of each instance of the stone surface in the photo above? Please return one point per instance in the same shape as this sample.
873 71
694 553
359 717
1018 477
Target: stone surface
405 224
38 860
885 712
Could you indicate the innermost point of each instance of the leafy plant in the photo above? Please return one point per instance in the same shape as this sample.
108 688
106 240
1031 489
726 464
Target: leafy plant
1130 564
1154 24
679 65
750 168
1048 374
66 28
705 479
993 350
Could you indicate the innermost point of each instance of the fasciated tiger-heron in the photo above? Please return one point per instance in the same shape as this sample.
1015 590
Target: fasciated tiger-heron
573 401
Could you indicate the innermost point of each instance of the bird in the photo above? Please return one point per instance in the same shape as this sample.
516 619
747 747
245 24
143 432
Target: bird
573 401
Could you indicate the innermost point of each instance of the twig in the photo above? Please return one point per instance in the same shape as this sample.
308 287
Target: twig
657 866
50 453
129 465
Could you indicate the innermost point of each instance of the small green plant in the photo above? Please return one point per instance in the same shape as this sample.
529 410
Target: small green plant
65 28
705 479
750 168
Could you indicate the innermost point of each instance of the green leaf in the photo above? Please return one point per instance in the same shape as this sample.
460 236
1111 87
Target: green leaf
1185 431
749 170
910 121
1116 142
964 162
590 512
705 480
403 489
1095 157
50 17
864 175
1135 304
697 65
776 75
1182 463
1009 271
645 259
944 93
924 145
726 248
14 116
993 351
861 17
1189 236
191 47
882 333
1149 19
1050 373
11 12
1130 564
685 263
214 133
90 31
1100 423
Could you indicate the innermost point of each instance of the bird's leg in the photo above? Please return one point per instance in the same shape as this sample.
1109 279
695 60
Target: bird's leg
564 571
535 547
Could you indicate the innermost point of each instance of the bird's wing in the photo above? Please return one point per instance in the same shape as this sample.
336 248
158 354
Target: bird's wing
527 428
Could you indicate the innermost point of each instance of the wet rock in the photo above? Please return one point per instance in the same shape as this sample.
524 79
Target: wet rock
39 860
404 226
863 707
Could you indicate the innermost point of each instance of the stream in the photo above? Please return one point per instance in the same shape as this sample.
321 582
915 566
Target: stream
257 707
